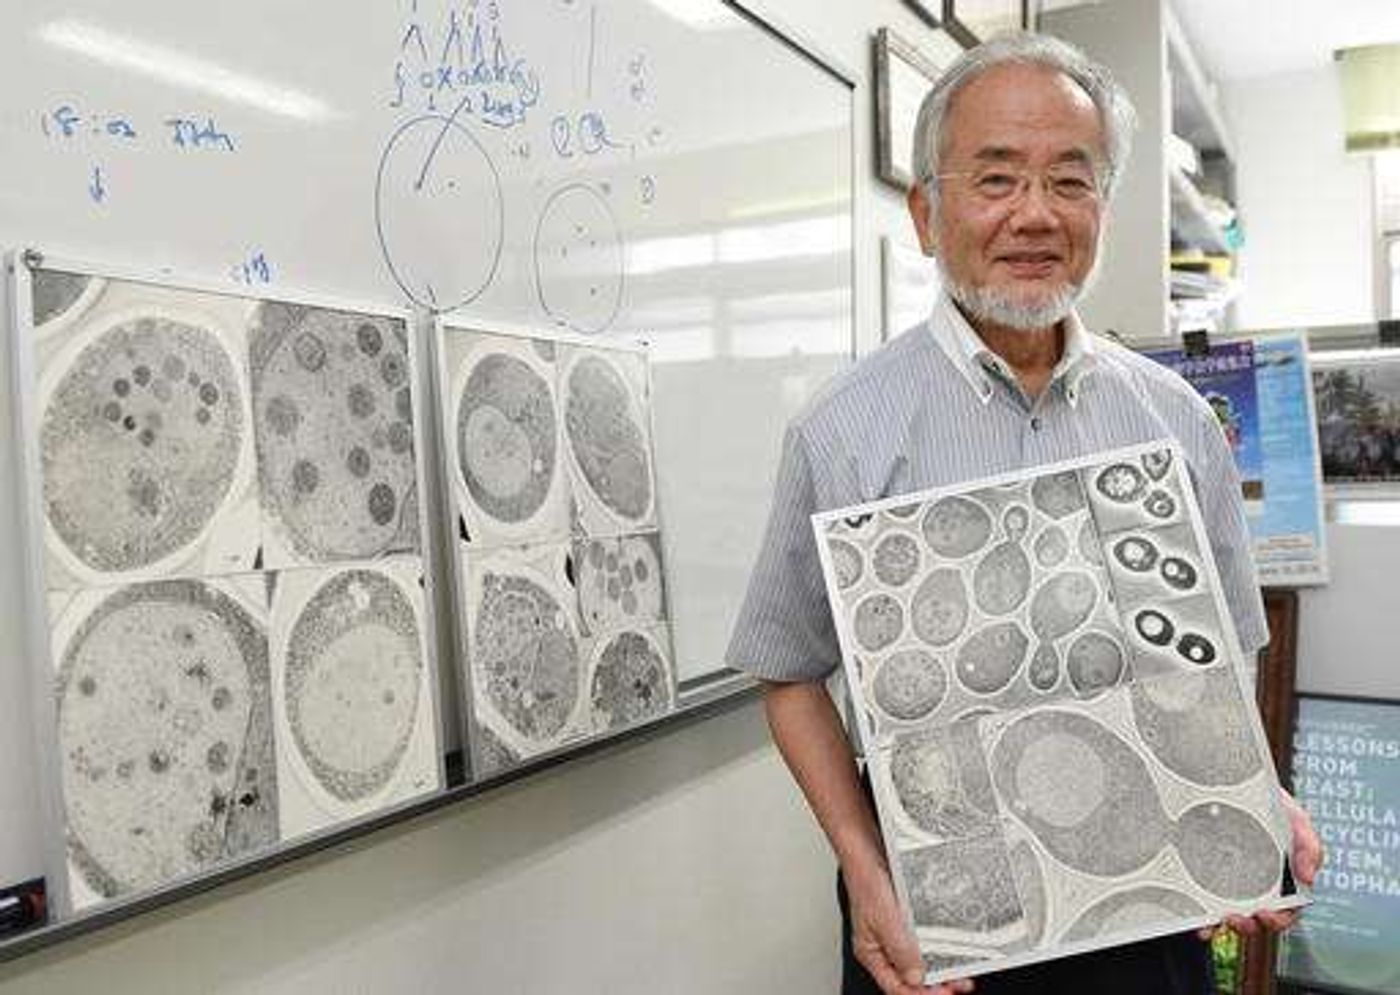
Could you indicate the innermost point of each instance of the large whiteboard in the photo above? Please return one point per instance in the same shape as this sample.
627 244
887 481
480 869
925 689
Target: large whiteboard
670 170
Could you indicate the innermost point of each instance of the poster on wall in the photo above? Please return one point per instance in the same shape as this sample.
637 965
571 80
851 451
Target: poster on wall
1358 415
1260 391
1346 773
1051 697
222 496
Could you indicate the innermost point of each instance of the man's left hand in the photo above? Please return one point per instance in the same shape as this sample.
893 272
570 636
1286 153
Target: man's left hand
1305 860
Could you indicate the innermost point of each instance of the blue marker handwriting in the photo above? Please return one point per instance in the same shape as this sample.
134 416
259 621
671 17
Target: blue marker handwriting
67 124
252 271
586 134
97 190
188 133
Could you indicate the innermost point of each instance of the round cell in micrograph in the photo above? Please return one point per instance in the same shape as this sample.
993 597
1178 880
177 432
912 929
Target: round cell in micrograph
1179 574
1136 553
940 777
938 609
506 437
955 527
164 735
1044 670
53 292
1160 505
1051 547
895 559
603 424
120 499
964 885
1082 791
1196 648
1002 579
1058 494
991 657
1157 463
525 655
493 754
1154 626
1095 662
1130 912
631 681
1015 521
1228 852
1087 542
619 581
353 680
313 360
878 621
1062 604
369 338
1121 483
909 684
1197 723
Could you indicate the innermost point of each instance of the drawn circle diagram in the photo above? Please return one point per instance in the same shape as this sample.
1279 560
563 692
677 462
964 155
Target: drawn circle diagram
162 699
354 675
439 212
140 440
579 259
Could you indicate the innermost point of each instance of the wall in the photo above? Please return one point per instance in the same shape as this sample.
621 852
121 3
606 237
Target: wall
684 864
1307 205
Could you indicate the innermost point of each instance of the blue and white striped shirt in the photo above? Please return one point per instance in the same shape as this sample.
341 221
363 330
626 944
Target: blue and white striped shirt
935 407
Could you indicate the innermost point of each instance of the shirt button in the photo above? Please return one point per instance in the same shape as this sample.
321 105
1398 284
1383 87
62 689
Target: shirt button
1035 424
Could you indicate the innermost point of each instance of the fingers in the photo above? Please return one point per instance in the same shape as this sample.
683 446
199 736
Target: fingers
872 957
954 987
1260 922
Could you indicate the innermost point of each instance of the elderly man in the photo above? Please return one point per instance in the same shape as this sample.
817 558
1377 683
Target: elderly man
1017 151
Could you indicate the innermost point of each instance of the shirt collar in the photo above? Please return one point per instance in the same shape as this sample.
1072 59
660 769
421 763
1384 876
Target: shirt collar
977 364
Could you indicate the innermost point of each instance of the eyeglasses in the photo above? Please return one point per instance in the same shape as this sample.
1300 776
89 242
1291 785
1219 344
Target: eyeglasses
1069 184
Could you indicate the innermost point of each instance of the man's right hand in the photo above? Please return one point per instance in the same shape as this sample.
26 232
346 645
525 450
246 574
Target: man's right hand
882 942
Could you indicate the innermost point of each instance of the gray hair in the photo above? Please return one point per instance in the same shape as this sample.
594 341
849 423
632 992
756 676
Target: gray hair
1024 48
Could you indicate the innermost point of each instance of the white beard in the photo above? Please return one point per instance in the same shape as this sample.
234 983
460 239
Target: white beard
998 307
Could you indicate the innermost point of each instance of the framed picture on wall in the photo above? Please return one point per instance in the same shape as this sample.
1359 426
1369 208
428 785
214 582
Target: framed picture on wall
904 73
974 21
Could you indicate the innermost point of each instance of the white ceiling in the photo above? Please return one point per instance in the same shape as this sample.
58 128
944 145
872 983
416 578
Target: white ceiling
1236 39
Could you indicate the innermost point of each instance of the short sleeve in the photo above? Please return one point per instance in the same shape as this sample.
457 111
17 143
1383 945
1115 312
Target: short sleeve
785 631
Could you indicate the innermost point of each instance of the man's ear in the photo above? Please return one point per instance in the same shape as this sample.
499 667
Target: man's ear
920 214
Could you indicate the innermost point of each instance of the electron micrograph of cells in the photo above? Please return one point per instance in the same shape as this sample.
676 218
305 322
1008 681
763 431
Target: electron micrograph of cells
507 438
1062 604
847 561
1130 912
1082 791
1095 662
1176 635
578 254
352 680
1121 483
492 754
630 680
1228 852
1087 541
909 684
939 608
1057 494
525 656
1051 547
941 780
1197 724
140 441
54 293
605 425
1015 520
1002 579
990 657
895 559
333 411
1030 885
962 885
619 581
164 731
955 527
1044 670
878 621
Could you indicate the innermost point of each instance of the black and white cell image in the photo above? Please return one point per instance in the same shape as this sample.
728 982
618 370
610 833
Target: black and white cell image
909 684
1002 579
990 657
1133 911
1083 791
333 409
579 263
1030 885
941 781
164 732
939 607
57 295
492 754
1121 483
966 886
1096 662
353 683
507 442
847 561
1228 852
524 655
619 581
895 558
1174 635
1198 725
1152 566
630 679
955 527
1051 547
606 428
1057 494
144 440
1137 492
1044 670
1062 604
878 620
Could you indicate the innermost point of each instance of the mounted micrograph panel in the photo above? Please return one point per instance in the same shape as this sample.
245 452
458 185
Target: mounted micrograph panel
234 641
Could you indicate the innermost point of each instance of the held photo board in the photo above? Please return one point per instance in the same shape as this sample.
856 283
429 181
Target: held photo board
557 558
227 603
1049 689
